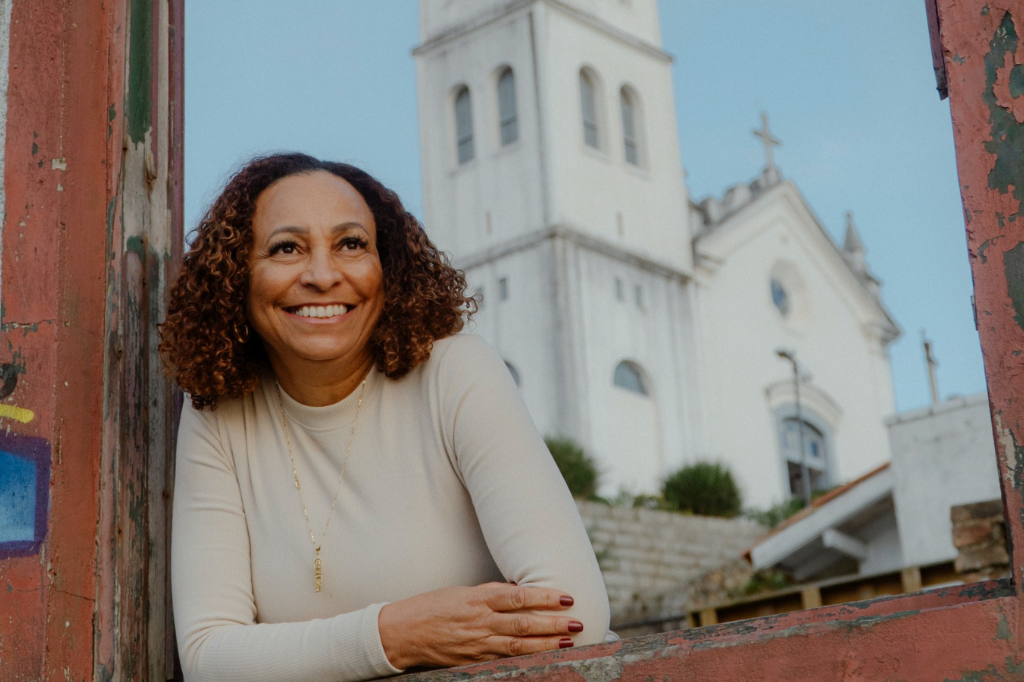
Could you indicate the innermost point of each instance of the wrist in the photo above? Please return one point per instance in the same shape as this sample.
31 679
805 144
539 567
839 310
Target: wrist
391 630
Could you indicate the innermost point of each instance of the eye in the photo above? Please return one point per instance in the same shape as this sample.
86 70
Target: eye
353 243
286 248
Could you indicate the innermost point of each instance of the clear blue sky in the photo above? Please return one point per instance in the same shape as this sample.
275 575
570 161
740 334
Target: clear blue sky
848 86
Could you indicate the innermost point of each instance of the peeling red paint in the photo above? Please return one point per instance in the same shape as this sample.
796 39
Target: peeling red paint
79 610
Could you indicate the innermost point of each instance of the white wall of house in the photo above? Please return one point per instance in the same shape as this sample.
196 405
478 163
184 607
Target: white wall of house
943 455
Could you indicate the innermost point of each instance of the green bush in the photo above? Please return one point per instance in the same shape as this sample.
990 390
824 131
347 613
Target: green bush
703 488
578 469
773 516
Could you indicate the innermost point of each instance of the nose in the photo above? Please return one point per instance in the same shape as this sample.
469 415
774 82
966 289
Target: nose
322 271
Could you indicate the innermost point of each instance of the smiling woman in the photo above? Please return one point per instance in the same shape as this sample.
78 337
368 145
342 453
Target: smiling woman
359 489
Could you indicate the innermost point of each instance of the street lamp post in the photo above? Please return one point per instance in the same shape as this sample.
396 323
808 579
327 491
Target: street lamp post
805 475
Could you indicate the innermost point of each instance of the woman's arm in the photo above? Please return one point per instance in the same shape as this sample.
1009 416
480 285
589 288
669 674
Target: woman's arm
529 519
214 610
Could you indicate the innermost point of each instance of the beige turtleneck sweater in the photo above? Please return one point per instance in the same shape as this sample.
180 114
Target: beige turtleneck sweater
448 484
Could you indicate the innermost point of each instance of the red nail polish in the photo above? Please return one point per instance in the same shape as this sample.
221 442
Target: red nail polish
566 600
575 626
564 643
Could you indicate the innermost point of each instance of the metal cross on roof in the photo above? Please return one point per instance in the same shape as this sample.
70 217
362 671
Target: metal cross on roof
768 139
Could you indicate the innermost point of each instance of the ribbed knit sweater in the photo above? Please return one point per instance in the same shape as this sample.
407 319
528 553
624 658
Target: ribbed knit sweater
448 484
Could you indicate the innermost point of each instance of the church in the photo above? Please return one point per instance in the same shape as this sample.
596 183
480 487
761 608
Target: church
654 329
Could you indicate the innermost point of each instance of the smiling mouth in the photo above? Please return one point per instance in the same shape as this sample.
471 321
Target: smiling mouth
319 311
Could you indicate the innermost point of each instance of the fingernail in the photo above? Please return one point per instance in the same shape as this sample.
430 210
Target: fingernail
564 643
575 626
566 600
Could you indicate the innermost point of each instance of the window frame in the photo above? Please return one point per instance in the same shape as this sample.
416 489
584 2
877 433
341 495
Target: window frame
588 77
463 136
507 119
629 97
642 388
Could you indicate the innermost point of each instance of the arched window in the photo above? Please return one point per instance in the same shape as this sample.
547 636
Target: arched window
630 131
780 297
814 447
507 119
588 104
629 377
464 125
513 371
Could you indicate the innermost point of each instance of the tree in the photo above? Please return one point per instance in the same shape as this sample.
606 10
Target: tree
578 469
703 488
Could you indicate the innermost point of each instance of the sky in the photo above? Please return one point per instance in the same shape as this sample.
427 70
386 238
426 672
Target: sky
848 87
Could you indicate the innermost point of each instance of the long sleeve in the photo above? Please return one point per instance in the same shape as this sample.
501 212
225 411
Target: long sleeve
215 612
530 522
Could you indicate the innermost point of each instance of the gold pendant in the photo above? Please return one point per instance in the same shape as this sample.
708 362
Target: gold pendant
318 575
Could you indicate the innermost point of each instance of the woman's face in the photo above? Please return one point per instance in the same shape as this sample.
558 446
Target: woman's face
316 284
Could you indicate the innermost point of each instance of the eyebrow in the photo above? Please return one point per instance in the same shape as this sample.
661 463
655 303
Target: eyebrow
292 229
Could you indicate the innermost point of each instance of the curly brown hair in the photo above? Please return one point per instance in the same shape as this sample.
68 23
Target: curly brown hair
205 340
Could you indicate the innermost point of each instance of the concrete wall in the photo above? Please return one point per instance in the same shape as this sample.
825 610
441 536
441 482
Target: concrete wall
645 554
943 456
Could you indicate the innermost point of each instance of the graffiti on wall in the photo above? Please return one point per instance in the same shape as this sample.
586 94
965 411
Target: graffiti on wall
8 382
24 494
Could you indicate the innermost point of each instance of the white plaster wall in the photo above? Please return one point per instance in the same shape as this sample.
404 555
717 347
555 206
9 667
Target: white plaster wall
564 330
942 456
741 330
590 188
503 182
561 326
523 330
883 540
638 439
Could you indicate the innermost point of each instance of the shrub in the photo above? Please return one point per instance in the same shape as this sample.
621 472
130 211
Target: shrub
578 469
703 488
775 515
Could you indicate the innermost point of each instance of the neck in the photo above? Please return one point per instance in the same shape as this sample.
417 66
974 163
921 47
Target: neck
317 383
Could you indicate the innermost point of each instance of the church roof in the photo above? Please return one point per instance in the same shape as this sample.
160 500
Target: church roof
713 216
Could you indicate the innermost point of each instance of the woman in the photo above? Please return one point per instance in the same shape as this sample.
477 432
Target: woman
359 489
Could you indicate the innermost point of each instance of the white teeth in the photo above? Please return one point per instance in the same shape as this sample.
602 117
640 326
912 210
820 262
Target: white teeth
321 311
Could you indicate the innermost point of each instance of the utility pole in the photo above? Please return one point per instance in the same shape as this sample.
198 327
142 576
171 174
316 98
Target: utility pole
805 475
932 364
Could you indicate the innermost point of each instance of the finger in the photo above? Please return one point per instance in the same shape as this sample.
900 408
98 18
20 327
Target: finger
521 646
517 597
530 625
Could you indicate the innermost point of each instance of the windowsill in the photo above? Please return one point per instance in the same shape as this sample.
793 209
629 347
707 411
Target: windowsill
596 153
506 149
639 171
462 167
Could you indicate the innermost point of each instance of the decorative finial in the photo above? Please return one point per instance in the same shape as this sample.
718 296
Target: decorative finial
769 141
852 244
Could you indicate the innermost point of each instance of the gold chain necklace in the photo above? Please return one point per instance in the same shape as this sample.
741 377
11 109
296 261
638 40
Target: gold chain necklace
318 576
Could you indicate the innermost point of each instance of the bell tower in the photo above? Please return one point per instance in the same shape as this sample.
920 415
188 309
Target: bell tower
552 175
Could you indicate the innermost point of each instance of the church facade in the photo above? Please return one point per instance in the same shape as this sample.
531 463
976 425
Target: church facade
638 322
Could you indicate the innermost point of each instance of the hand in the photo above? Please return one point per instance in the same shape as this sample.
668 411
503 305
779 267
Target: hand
462 625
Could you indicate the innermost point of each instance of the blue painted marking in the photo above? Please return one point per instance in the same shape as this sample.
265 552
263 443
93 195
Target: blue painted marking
24 494
17 498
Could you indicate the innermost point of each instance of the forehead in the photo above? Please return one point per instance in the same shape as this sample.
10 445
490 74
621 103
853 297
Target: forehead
317 199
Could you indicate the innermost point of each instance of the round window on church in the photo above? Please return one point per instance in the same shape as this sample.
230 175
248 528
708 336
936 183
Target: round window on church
780 297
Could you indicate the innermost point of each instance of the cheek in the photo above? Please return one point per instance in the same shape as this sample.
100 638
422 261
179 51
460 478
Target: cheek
371 280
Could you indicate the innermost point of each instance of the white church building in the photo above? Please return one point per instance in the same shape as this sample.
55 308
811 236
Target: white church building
636 321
